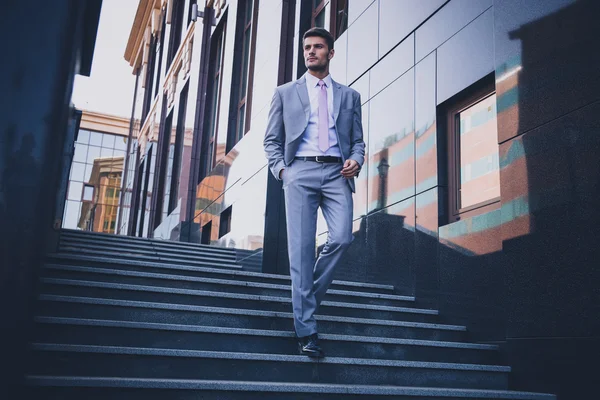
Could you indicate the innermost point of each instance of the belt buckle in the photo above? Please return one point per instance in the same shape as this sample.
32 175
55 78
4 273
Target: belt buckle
319 159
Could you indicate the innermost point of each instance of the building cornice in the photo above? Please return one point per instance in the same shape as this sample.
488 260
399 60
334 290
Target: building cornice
137 36
107 123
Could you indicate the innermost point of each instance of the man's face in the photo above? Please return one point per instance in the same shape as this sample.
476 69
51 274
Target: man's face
316 53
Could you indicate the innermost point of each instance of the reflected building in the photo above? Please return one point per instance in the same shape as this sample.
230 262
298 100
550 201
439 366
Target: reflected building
481 176
94 185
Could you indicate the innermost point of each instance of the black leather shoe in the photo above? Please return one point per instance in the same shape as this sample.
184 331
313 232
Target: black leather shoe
309 346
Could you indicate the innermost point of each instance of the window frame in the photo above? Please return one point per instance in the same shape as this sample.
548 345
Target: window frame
189 13
177 15
178 148
316 11
464 100
149 81
333 25
216 84
159 49
225 221
243 99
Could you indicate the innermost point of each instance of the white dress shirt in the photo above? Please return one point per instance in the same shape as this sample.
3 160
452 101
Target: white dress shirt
309 146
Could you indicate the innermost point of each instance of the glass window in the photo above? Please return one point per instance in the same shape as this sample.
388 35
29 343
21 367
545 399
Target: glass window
479 170
215 90
83 136
241 117
88 193
245 74
249 9
225 222
75 189
93 154
88 172
362 43
320 19
108 140
191 5
318 14
473 164
71 216
121 143
339 17
77 172
95 139
80 152
106 152
119 153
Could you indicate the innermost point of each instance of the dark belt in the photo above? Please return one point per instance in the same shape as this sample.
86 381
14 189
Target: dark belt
321 159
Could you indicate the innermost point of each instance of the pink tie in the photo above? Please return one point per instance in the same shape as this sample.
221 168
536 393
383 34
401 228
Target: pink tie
323 118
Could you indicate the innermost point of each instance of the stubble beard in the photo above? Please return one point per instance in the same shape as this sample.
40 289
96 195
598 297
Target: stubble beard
317 68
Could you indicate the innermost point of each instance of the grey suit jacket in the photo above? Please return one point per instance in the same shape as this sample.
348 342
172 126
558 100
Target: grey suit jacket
288 119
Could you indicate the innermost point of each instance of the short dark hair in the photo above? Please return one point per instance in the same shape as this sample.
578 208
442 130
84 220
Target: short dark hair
320 32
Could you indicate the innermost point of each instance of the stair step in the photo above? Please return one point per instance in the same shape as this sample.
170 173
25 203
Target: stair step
137 362
194 337
101 388
203 283
110 253
106 238
138 311
145 249
176 269
72 287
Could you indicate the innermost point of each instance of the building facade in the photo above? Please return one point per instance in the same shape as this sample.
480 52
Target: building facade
481 176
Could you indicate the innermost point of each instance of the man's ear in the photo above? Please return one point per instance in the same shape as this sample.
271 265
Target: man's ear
331 53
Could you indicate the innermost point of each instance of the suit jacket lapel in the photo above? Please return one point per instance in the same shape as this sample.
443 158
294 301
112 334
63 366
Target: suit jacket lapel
303 93
337 99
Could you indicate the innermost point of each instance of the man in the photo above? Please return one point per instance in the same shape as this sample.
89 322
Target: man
314 144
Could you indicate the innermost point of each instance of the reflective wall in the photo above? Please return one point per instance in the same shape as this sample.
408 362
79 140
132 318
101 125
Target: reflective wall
405 58
548 87
95 180
238 182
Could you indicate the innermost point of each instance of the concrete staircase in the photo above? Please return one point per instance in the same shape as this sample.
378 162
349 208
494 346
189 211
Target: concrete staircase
130 318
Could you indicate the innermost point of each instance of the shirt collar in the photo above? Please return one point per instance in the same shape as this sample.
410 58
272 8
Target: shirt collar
312 81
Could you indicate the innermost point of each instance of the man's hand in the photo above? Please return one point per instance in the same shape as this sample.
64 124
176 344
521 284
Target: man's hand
350 168
281 173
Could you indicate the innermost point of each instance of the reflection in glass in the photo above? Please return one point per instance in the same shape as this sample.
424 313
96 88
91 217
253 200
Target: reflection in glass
106 152
80 152
362 43
95 180
77 172
341 17
356 8
88 172
75 189
108 141
95 139
391 144
92 154
121 143
71 214
215 71
398 18
320 19
88 193
83 136
479 173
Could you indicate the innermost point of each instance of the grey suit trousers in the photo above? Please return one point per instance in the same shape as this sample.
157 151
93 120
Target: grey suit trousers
308 185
